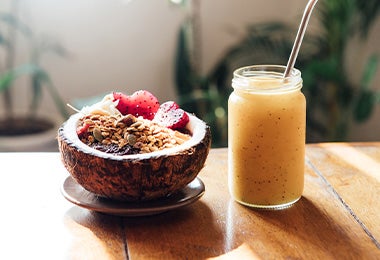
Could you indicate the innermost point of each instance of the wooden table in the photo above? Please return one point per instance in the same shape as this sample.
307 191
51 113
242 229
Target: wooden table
338 216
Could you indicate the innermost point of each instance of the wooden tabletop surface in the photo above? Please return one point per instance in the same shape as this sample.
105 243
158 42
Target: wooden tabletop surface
338 216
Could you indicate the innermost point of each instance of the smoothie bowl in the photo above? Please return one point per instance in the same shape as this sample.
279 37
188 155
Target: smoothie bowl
131 148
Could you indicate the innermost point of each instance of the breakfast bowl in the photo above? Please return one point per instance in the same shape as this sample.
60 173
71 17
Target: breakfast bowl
134 177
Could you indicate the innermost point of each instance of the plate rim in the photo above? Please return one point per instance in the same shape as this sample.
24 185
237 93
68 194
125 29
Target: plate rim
131 211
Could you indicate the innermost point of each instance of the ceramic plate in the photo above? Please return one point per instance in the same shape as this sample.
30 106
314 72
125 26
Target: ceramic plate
76 194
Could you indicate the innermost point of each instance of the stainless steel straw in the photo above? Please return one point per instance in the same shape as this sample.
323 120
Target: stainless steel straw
301 32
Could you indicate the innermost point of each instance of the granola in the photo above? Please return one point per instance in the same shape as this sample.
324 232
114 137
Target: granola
127 134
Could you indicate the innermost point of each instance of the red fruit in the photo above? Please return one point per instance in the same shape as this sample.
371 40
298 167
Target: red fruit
82 130
167 106
141 103
123 99
171 116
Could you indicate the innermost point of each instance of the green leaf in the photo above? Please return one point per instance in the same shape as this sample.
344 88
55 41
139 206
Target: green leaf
40 77
3 40
36 85
6 80
16 23
364 106
55 95
183 68
369 72
368 11
10 76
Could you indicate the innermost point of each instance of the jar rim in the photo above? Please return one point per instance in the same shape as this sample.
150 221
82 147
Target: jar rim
244 78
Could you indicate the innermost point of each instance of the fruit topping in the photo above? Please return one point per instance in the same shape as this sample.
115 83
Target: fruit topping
123 101
141 103
82 130
171 116
137 121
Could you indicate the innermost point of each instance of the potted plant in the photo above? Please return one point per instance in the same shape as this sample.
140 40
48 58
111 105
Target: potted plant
24 129
334 102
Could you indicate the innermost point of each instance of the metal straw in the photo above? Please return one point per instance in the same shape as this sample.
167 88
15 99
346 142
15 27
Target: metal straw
301 32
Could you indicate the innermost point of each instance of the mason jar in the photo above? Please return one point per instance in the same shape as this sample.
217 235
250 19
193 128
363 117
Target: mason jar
266 137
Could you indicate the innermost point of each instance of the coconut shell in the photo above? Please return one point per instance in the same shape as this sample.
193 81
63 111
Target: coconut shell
134 177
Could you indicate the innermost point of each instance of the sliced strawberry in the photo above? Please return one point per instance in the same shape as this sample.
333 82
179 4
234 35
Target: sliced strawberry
123 103
171 116
141 103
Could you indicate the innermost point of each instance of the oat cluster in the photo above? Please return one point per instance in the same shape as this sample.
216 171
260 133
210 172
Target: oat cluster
136 132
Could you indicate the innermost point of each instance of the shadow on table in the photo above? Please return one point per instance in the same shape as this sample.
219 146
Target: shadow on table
310 227
175 234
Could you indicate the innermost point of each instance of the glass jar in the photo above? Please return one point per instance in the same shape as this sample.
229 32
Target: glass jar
266 137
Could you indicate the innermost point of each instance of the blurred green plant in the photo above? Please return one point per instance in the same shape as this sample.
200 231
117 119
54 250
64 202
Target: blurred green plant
334 102
198 93
11 26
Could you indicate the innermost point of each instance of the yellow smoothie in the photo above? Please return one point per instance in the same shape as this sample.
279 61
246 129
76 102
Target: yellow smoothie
266 143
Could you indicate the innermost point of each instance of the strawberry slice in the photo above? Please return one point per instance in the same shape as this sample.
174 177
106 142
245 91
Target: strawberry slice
171 116
123 99
140 103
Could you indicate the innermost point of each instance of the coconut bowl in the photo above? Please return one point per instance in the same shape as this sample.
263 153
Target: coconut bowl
137 177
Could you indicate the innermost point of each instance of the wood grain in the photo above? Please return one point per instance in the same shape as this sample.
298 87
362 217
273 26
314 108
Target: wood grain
336 218
353 171
318 227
